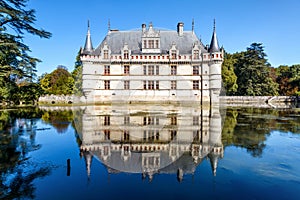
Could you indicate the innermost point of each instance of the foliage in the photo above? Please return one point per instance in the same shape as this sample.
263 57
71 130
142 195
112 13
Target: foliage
16 65
228 76
288 79
77 76
58 82
253 73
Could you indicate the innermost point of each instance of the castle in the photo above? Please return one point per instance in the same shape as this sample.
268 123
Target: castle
151 64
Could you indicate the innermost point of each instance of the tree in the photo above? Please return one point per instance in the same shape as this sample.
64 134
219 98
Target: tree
77 76
16 65
228 76
253 73
58 82
288 79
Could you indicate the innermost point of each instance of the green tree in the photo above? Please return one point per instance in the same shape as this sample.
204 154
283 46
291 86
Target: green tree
58 82
253 73
16 65
77 76
228 76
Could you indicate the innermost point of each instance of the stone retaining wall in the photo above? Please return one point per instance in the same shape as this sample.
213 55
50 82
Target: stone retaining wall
259 99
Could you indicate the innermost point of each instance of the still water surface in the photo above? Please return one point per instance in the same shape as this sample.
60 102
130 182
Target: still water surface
150 152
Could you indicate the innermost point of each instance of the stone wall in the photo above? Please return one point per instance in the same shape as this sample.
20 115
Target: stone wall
59 99
259 99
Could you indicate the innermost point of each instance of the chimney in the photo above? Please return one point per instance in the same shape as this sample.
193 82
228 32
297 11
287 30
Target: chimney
180 28
143 28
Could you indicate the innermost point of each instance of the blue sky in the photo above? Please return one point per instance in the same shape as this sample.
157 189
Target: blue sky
238 23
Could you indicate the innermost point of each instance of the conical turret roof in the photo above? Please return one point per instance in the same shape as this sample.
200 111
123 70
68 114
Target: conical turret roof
88 47
214 45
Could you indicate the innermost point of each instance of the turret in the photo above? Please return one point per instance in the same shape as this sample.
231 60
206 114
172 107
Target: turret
88 46
216 60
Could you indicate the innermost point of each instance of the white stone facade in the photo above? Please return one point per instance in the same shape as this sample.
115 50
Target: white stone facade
151 65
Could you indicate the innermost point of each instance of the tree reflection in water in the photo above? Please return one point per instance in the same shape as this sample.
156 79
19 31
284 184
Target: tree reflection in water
17 139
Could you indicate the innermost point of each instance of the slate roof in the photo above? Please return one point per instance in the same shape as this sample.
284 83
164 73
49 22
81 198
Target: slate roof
116 40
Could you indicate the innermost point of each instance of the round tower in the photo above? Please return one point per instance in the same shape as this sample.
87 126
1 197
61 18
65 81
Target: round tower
215 65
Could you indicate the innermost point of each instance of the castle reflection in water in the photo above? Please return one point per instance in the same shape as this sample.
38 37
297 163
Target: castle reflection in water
151 139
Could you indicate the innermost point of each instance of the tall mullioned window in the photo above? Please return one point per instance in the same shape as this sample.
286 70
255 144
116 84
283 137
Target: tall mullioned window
126 69
173 85
150 70
196 85
107 85
157 69
173 69
195 70
106 120
106 70
126 85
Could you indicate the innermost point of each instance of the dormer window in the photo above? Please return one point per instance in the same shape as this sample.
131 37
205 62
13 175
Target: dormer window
151 44
196 54
150 40
173 54
105 54
126 54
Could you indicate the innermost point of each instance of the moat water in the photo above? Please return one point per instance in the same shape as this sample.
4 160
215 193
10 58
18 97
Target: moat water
149 152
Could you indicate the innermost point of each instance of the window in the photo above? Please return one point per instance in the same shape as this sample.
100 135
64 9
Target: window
157 85
173 134
145 85
195 70
173 54
126 120
196 54
195 120
151 85
196 85
156 44
106 120
157 69
126 69
173 85
173 120
126 54
126 85
107 134
145 44
126 135
151 44
106 70
105 54
107 85
150 70
145 69
173 69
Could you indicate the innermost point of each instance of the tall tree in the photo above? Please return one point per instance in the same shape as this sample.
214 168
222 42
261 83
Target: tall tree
15 62
77 76
60 81
253 72
228 76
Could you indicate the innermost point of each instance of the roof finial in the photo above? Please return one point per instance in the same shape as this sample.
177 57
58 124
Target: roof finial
108 25
193 24
214 24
